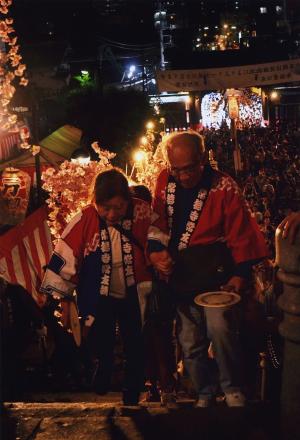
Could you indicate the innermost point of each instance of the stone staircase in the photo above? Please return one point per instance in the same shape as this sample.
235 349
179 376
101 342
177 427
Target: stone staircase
88 417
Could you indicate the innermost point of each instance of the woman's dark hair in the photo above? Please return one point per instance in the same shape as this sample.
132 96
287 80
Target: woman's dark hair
109 184
141 192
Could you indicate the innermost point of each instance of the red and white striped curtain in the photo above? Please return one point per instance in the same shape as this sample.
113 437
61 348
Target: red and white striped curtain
9 145
24 251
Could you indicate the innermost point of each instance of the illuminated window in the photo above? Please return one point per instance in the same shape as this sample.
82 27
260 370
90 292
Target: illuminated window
263 10
278 9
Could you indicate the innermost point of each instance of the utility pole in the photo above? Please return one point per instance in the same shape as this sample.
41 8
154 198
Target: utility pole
35 140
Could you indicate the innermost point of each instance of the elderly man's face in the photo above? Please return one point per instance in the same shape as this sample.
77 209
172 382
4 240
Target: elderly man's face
186 165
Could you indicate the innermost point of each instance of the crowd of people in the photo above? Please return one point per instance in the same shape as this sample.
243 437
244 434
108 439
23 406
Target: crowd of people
199 235
271 170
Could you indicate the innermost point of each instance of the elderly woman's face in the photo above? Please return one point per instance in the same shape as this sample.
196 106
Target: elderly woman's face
113 210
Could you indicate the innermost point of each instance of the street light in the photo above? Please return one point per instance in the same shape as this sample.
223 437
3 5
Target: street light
274 95
139 156
144 140
150 125
232 96
131 71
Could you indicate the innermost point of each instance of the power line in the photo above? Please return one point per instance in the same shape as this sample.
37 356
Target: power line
128 45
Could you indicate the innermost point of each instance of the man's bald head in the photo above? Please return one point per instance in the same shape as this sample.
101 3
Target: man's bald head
186 142
186 156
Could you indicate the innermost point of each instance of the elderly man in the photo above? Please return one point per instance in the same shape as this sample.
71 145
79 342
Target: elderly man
198 207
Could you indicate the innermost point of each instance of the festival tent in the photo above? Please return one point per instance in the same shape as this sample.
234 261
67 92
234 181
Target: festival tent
55 148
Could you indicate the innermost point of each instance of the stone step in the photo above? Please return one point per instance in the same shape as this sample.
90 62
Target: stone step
86 415
111 421
80 409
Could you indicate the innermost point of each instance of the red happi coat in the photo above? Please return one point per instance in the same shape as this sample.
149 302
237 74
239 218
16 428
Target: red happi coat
223 216
82 258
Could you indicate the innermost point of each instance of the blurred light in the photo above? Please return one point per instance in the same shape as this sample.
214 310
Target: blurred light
274 95
132 68
84 72
139 156
143 140
187 99
150 125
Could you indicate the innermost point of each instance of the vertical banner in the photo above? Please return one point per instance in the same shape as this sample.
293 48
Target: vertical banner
233 107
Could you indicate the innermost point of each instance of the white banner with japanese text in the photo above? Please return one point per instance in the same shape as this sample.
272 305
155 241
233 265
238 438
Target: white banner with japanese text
228 77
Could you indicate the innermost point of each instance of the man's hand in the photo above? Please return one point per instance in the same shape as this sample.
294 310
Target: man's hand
235 284
162 261
290 226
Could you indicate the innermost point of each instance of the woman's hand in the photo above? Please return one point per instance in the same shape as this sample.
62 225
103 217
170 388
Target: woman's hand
162 261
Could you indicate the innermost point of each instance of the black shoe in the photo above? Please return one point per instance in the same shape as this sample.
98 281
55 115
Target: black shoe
131 398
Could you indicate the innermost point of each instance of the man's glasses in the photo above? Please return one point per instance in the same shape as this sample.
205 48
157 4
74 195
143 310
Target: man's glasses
189 169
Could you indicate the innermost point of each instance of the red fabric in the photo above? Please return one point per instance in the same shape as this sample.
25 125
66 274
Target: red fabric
32 171
225 215
82 237
24 251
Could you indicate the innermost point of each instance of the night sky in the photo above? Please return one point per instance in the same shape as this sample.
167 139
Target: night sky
82 22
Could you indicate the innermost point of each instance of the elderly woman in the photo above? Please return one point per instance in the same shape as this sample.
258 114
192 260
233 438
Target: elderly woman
100 254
